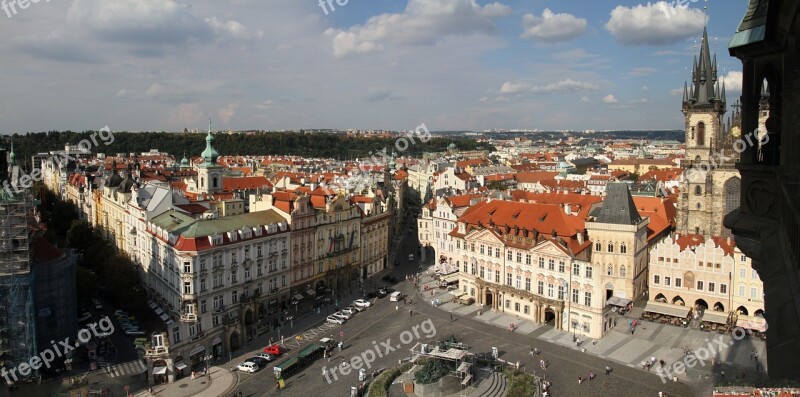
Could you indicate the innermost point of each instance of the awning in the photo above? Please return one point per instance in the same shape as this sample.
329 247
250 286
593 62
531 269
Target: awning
153 305
450 277
757 326
667 309
310 292
180 366
617 301
158 310
164 316
715 317
197 350
298 297
216 341
159 370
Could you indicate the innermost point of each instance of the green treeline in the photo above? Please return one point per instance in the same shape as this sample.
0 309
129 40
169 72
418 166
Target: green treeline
327 145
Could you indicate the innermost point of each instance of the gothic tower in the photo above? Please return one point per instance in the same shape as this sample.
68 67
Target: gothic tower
711 187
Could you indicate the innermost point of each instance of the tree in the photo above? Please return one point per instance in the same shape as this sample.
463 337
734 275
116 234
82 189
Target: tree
85 283
80 236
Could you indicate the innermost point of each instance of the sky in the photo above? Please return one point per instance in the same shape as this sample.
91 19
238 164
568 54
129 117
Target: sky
166 65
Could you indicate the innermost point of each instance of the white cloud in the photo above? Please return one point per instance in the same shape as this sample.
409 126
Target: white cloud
552 28
233 29
121 93
562 86
227 113
653 24
585 99
645 88
610 99
576 55
676 91
187 115
424 22
733 81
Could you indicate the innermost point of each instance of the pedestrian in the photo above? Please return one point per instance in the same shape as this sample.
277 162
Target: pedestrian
652 359
192 375
240 393
632 329
663 363
278 385
580 380
410 313
531 352
608 370
591 375
451 317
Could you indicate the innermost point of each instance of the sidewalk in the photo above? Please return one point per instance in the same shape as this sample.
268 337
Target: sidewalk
221 383
665 342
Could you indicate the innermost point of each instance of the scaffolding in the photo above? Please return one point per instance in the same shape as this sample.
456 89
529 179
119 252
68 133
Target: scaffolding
464 361
17 321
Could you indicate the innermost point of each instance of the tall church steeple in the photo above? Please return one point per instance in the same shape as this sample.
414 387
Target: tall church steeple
209 173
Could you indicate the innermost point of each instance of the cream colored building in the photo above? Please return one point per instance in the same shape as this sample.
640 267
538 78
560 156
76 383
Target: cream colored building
691 271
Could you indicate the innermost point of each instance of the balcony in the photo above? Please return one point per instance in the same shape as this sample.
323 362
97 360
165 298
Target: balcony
189 317
157 351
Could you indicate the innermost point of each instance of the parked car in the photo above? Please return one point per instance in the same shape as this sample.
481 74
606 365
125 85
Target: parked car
335 320
273 350
261 362
382 292
356 308
265 356
248 366
349 311
343 315
362 303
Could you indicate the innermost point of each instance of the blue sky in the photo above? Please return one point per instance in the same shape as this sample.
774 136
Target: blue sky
370 64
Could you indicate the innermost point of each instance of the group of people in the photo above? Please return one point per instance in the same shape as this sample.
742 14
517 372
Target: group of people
647 364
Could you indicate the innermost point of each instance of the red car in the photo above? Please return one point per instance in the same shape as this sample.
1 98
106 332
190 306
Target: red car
273 350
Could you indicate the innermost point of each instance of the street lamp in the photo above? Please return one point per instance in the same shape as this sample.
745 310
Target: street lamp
208 365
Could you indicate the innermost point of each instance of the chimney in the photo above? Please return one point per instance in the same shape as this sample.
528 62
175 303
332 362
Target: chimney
729 240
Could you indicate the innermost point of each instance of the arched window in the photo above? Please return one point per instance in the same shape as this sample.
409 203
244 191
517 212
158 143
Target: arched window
623 249
215 183
610 271
202 182
698 191
701 134
598 247
732 191
610 247
622 272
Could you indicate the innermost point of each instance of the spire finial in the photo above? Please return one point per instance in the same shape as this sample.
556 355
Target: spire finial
209 125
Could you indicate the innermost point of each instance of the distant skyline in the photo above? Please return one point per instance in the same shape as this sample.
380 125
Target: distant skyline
167 65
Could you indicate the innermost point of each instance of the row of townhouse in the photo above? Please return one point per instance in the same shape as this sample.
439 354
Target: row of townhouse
218 275
546 260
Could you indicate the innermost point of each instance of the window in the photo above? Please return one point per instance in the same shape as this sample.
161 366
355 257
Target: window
482 249
541 262
472 247
677 282
234 296
519 281
610 271
540 288
215 321
527 309
754 274
752 292
516 306
497 276
187 267
482 271
203 307
508 304
598 247
574 295
622 271
551 264
561 292
528 284
610 247
202 285
549 290
176 335
497 252
465 267
623 249
667 280
187 287
519 257
723 289
741 291
576 269
742 273
743 259
698 191
699 285
510 255
587 298
656 279
588 271
561 266
711 287
508 279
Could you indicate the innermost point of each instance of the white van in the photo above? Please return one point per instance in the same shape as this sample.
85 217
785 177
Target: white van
396 296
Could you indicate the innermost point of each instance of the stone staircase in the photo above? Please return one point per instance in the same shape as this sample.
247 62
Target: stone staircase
495 385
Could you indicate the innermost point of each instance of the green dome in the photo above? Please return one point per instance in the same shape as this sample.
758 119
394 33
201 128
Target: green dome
452 146
209 155
184 161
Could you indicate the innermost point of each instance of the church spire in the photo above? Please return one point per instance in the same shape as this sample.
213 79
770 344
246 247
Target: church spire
12 156
705 89
209 155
